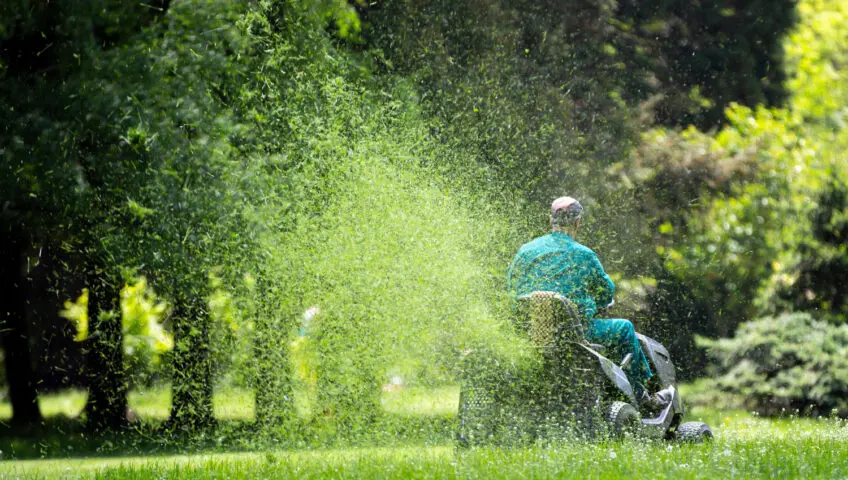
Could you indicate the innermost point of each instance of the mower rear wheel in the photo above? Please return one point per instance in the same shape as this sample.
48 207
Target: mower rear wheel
624 419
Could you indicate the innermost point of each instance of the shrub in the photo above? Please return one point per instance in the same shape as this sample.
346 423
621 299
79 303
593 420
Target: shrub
791 362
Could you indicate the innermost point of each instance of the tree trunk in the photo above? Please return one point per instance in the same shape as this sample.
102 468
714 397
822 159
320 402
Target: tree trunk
272 378
191 406
13 329
106 373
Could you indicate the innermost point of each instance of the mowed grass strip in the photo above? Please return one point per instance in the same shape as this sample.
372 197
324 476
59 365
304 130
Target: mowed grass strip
746 446
765 458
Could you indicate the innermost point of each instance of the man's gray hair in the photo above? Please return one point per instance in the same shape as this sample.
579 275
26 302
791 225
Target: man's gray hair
565 211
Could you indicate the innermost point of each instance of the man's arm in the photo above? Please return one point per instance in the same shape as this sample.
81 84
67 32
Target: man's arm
601 286
512 277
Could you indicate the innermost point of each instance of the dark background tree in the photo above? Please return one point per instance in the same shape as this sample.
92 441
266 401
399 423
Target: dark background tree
701 56
74 163
15 329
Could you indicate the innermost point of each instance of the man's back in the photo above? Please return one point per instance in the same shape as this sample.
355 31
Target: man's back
557 263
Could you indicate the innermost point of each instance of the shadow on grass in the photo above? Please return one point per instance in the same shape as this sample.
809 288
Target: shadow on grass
64 437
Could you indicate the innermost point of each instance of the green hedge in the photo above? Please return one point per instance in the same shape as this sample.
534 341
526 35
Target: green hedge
786 364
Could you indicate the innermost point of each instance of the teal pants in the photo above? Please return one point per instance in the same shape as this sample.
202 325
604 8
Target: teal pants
619 336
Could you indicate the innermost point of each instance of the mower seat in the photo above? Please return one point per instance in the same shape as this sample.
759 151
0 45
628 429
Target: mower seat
548 318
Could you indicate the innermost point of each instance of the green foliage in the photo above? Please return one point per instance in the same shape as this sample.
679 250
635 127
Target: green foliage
699 58
785 364
145 341
343 16
521 93
77 312
816 57
688 61
751 245
814 280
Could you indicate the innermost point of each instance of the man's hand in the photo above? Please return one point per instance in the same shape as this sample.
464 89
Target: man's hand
605 310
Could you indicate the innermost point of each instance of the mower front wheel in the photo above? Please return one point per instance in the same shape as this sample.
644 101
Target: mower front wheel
624 419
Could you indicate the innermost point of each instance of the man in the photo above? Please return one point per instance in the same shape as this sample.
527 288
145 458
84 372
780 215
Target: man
557 263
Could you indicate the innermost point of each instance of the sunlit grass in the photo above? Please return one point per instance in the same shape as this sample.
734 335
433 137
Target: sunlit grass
67 403
419 401
229 403
153 403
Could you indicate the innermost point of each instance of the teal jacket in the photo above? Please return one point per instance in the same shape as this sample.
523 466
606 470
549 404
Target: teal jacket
557 263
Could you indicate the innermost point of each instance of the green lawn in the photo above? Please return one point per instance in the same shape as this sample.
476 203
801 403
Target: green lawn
746 446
